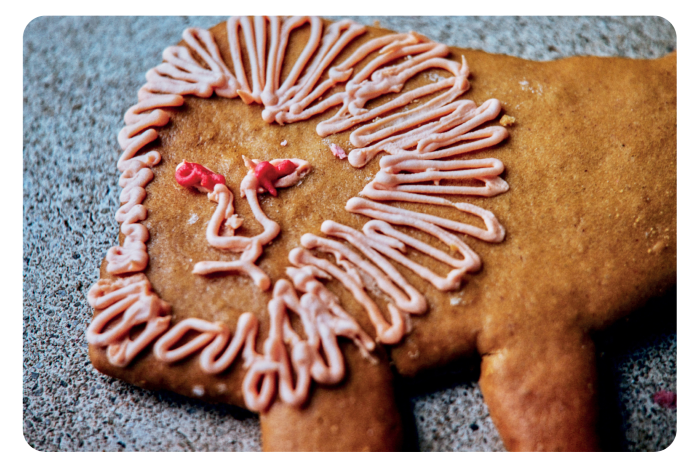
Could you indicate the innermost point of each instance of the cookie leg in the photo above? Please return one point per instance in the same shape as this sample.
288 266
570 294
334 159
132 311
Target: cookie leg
542 393
359 414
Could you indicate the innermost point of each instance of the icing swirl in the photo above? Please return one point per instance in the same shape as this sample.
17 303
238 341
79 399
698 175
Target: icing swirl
126 302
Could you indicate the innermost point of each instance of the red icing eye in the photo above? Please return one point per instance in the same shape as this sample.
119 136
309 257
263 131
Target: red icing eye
267 173
191 174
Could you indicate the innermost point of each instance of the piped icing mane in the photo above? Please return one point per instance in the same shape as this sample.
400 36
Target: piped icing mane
415 142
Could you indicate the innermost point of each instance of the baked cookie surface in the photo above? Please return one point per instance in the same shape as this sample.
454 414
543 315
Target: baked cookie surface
476 321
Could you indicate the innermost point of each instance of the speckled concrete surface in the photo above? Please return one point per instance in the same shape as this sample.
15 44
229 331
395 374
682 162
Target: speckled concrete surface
80 76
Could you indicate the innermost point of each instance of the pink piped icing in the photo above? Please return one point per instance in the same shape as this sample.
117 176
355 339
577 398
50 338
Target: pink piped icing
338 151
419 133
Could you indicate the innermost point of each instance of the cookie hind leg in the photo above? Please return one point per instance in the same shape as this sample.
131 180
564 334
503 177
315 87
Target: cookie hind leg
542 395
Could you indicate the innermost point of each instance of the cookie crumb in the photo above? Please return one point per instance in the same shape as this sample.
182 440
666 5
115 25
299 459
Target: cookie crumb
198 390
658 247
283 143
376 23
338 151
507 120
432 76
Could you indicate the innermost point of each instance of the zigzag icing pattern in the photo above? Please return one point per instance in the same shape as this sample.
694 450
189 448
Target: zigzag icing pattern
125 302
415 142
131 256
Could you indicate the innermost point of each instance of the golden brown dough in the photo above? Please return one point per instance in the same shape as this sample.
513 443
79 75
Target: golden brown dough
358 415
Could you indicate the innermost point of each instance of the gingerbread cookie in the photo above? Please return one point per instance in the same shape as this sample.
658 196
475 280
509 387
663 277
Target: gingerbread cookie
379 200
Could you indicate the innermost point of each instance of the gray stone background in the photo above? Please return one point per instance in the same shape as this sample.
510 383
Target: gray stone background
80 75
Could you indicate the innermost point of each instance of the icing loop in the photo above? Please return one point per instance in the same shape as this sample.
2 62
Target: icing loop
213 338
371 83
318 357
304 280
131 256
456 120
127 303
293 99
387 333
256 53
130 302
181 74
386 276
193 36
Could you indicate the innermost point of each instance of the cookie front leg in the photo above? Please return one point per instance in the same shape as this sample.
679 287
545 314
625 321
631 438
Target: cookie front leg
359 414
541 393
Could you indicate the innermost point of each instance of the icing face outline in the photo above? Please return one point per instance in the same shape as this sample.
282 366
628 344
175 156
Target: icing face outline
291 172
